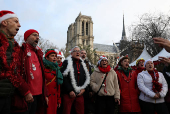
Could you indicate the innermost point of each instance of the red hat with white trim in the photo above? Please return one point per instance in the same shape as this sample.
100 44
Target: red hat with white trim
59 54
102 57
5 14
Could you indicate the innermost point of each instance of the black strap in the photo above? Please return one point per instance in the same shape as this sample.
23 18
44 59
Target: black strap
102 83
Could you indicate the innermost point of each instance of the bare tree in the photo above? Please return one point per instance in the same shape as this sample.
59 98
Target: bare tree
44 44
19 39
149 26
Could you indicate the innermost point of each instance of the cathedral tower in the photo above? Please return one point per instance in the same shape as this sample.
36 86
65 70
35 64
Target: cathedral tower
80 32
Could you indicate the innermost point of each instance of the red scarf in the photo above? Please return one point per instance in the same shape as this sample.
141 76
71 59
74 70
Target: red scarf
60 64
156 86
104 70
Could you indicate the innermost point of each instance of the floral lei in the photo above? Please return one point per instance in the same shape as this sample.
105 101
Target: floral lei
8 71
156 86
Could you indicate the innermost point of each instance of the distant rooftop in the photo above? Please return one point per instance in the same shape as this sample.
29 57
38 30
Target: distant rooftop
105 48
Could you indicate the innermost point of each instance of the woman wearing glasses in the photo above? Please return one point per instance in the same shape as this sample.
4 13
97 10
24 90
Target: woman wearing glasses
104 82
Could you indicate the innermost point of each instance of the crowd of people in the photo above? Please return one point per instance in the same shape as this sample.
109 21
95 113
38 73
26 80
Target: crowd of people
33 84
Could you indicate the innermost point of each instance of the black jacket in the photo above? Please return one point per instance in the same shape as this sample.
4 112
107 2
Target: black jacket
88 66
67 84
167 78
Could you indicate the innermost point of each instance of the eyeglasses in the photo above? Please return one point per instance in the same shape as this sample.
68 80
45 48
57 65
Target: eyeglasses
104 60
77 51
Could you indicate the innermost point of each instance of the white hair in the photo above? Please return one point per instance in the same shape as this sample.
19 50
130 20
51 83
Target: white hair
74 48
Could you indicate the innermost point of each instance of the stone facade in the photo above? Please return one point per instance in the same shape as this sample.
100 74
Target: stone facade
110 51
80 32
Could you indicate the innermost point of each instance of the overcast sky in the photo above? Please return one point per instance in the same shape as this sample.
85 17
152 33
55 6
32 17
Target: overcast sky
52 17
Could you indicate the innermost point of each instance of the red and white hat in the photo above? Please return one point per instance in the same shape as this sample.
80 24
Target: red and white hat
102 57
59 54
5 14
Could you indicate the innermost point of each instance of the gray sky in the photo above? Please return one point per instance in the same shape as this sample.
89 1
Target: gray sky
52 17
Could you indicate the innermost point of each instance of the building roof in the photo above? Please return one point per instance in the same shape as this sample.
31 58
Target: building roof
105 48
83 16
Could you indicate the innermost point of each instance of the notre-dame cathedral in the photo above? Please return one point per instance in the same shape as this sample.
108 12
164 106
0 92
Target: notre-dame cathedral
81 33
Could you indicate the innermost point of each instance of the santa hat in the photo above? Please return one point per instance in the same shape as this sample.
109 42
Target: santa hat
101 58
141 59
59 54
147 61
69 51
48 51
5 14
28 33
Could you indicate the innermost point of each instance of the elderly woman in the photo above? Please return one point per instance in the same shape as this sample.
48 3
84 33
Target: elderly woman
129 92
104 82
153 87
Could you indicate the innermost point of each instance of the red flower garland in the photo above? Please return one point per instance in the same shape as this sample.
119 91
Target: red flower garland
156 86
8 70
125 79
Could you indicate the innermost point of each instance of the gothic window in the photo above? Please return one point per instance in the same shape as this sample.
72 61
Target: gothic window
86 28
83 42
82 28
87 42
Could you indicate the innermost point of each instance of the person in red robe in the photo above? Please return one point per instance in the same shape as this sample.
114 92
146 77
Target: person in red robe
33 73
11 81
53 80
129 91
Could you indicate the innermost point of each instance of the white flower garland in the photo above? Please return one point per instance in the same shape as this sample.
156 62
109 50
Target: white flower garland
73 81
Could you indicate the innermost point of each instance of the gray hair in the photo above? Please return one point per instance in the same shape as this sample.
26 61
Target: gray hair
74 48
83 50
